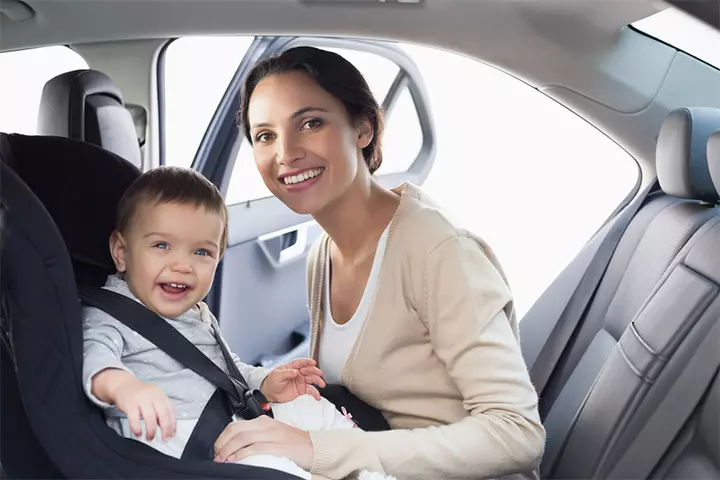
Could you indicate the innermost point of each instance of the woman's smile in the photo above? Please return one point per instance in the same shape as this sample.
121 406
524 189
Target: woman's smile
301 180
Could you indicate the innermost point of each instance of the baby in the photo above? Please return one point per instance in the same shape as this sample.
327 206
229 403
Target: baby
171 233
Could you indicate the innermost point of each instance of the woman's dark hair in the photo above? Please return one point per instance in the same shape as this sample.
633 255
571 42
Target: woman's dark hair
336 76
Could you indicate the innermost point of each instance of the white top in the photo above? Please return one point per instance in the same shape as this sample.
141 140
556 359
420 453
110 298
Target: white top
336 340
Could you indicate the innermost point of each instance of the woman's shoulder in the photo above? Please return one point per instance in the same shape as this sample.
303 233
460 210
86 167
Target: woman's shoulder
421 223
418 228
422 227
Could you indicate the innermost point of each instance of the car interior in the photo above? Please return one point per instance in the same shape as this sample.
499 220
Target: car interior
622 346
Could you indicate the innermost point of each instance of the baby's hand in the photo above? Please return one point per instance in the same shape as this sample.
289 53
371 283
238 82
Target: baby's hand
138 400
287 382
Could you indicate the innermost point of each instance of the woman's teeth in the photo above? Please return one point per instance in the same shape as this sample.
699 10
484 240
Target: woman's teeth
301 177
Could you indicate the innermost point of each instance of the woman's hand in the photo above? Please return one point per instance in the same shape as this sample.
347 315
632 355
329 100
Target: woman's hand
264 435
287 382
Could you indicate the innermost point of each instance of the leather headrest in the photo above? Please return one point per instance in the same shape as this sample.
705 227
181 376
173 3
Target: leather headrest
86 105
683 165
80 186
713 153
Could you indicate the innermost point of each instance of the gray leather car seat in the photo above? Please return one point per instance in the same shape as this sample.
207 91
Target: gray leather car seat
86 105
659 291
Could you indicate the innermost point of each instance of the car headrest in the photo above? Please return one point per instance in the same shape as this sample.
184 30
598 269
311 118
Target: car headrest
80 185
86 105
713 153
683 165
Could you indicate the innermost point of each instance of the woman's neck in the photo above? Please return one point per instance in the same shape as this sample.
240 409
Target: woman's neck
356 221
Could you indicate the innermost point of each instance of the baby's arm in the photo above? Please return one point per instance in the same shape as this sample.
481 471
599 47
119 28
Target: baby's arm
107 382
102 351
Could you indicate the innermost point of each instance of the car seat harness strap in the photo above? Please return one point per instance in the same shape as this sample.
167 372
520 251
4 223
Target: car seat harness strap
233 396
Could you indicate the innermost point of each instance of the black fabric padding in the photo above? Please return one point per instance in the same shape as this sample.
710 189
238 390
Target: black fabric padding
63 431
80 185
367 417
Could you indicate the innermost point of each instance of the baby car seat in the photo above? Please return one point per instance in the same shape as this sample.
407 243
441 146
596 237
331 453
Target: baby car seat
58 200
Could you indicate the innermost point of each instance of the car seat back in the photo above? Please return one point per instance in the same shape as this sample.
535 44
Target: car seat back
76 186
86 105
599 382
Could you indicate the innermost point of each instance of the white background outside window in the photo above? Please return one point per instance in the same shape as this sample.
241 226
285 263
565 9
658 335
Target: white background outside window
512 165
23 77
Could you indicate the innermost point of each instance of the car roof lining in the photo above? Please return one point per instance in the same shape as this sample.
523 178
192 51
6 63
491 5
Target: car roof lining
583 54
563 34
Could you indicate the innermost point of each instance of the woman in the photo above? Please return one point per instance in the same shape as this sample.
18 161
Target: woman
412 314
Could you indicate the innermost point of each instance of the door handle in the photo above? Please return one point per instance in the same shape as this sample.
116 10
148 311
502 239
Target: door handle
285 247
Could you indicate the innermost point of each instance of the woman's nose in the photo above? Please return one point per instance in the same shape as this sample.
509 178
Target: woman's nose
289 150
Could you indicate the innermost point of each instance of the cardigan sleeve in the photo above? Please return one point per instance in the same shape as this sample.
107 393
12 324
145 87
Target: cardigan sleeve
462 302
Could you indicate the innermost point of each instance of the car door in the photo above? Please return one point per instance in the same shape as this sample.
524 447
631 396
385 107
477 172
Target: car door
260 290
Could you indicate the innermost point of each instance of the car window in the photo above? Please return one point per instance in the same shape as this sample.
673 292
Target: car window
517 168
685 33
403 136
402 140
512 165
20 92
196 73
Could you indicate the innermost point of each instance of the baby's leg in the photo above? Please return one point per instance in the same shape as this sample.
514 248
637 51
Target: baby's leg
308 414
174 446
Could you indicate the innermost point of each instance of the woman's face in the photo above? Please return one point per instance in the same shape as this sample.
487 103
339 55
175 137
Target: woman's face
306 147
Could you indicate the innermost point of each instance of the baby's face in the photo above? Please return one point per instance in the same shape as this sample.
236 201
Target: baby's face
169 255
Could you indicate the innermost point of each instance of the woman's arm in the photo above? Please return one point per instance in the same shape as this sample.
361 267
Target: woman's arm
462 302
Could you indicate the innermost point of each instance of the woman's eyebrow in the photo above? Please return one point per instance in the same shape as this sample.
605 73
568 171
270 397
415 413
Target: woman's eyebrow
298 113
305 110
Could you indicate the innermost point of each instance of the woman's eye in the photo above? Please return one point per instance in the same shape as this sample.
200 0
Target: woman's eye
202 252
264 137
312 124
161 245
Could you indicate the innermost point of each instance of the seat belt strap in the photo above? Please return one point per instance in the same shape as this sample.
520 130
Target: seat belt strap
255 402
214 418
640 459
245 402
578 302
233 397
155 329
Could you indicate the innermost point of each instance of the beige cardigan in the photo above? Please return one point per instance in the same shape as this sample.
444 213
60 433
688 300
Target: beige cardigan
438 355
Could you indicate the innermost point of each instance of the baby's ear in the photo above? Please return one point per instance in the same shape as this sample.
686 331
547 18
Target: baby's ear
118 250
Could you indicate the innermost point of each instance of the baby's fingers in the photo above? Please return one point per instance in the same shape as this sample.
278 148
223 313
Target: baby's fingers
166 418
133 416
311 390
282 376
150 417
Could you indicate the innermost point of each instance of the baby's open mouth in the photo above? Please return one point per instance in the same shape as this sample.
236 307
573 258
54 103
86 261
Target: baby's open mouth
175 287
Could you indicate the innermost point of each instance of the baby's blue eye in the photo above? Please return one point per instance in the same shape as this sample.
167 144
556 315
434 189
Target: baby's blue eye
162 245
202 252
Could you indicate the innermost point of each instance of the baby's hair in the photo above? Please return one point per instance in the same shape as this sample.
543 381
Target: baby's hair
169 184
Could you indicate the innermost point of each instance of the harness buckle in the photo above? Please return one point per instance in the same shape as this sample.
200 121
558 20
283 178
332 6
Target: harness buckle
249 404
